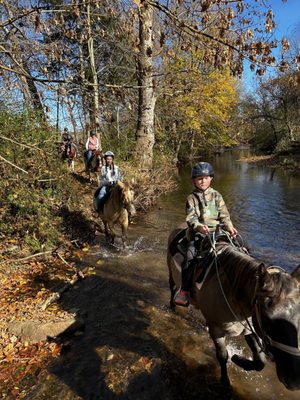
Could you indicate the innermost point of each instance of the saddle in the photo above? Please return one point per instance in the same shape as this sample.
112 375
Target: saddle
205 254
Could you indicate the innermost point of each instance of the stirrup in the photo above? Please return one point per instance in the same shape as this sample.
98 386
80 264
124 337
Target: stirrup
181 299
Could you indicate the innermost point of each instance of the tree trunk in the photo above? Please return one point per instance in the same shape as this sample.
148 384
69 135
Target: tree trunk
94 111
145 136
178 141
28 87
72 117
192 144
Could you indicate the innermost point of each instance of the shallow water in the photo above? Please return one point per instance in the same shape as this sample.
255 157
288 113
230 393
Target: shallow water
133 347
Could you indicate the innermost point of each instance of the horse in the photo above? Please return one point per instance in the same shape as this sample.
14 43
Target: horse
241 296
69 152
118 209
93 167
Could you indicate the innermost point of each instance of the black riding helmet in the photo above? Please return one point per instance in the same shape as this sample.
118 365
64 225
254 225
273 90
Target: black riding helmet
202 169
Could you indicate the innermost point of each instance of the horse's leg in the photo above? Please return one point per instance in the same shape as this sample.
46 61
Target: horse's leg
124 227
172 284
124 235
258 362
222 357
106 232
72 169
111 234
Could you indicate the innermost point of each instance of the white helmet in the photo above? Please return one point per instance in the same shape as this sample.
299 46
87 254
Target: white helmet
109 153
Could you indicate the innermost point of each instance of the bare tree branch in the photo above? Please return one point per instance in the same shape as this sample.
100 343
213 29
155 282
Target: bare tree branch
20 144
15 166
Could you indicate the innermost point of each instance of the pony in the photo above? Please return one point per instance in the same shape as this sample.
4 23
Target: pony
118 209
93 167
241 296
69 153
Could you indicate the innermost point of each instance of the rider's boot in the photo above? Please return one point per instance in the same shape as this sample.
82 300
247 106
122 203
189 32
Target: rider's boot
181 298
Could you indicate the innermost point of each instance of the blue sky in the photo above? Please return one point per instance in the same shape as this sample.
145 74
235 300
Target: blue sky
287 17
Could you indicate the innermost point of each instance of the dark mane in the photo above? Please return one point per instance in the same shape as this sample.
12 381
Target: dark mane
240 270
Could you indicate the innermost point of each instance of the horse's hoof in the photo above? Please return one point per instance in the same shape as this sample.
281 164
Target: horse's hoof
225 382
247 365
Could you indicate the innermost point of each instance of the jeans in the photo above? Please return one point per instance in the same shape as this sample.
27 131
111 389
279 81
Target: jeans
88 156
102 196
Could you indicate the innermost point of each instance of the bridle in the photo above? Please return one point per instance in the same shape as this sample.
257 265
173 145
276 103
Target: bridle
127 204
266 339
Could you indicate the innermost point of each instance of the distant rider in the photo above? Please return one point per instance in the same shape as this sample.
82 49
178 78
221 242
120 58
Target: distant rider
68 142
109 175
92 144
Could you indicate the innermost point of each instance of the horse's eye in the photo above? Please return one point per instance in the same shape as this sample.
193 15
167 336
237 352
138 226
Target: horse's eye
268 301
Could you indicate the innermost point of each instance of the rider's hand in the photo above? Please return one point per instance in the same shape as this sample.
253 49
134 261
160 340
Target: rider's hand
203 229
233 232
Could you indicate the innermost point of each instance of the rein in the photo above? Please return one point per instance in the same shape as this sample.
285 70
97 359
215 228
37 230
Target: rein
216 253
266 339
127 204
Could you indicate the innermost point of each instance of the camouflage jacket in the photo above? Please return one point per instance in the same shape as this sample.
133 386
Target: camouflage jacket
206 208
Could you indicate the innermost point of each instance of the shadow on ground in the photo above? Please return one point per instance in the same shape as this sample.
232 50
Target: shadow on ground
80 228
121 354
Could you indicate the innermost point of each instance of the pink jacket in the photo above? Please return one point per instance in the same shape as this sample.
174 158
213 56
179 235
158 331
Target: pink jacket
92 143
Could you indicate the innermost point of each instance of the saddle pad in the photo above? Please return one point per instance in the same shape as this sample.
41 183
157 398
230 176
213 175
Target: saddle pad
175 246
97 192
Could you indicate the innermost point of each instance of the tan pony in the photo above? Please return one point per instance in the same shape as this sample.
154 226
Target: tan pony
118 210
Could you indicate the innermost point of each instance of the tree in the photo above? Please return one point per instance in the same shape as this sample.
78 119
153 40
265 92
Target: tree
145 137
221 29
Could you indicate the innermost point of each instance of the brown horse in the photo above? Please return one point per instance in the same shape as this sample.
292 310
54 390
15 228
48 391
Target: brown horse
240 296
93 167
118 209
69 153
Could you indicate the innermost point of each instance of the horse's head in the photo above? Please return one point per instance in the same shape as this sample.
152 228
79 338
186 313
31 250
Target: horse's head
277 321
127 197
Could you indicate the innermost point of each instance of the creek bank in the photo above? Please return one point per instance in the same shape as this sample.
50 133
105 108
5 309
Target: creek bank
288 162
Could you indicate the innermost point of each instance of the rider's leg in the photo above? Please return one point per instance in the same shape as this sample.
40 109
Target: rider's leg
102 195
88 156
182 296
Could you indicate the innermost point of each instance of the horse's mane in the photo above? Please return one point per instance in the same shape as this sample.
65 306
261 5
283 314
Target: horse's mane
118 191
239 268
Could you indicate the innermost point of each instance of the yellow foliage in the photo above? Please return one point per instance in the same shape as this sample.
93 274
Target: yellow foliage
199 97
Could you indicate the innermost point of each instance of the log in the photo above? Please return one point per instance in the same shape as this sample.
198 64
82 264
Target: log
57 295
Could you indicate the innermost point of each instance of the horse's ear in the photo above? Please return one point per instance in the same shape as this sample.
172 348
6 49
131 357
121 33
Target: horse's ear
264 278
296 273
